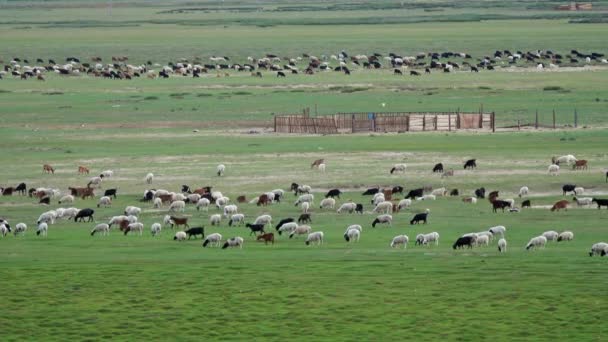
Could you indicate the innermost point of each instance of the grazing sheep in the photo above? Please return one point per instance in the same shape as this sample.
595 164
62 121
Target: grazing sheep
400 240
579 190
308 198
42 229
536 242
67 199
194 231
193 198
105 201
425 239
314 237
135 226
215 219
131 210
263 219
440 192
203 203
378 198
230 210
305 206
550 235
565 236
404 203
465 240
288 227
48 217
328 203
300 230
236 241
156 228
502 245
498 230
567 159
149 178
180 236
347 207
102 228
600 248
220 170
221 202
472 200
482 240
384 207
553 169
236 219
158 203
20 228
426 198
212 239
107 173
95 182
352 234
523 191
420 217
3 230
581 201
398 168
304 218
386 218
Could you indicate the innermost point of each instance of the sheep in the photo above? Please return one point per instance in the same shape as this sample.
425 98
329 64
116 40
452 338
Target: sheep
149 178
287 228
300 230
472 200
156 228
305 206
425 239
180 236
498 230
489 234
103 228
193 198
236 219
107 174
215 219
66 199
3 229
579 190
321 167
378 198
105 201
400 240
95 182
328 203
20 228
131 210
119 220
404 203
565 236
600 248
581 201
230 209
177 206
536 242
212 239
236 241
384 207
220 170
135 226
420 217
398 168
48 217
303 189
263 219
551 235
309 198
439 192
502 245
352 235
426 198
221 202
386 218
158 203
216 194
203 203
347 207
482 240
553 169
314 237
178 197
568 159
523 191
43 229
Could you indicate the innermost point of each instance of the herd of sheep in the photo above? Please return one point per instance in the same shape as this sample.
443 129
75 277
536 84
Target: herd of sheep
204 198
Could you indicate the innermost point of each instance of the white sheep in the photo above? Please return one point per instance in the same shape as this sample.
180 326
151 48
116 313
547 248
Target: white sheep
106 201
472 200
378 198
3 230
352 235
149 178
215 219
488 233
177 206
579 190
404 203
107 173
426 198
216 194
314 237
203 203
236 241
502 245
398 168
400 240
161 192
355 226
568 159
180 236
42 229
135 226
95 182
288 227
565 236
550 235
236 219
102 228
300 230
425 239
221 202
600 248
220 170
305 206
20 228
193 198
230 210
213 239
131 210
70 213
304 189
384 207
498 230
278 193
347 207
263 219
158 203
523 191
305 198
177 197
440 192
386 218
155 228
536 242
581 201
553 169
132 218
47 217
66 199
328 203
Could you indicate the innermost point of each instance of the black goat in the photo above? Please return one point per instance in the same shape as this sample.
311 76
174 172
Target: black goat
419 217
464 241
600 202
333 193
371 192
110 192
438 168
194 231
415 193
84 213
568 188
470 164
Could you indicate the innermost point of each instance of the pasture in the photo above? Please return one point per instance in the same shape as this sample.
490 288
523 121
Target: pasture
71 285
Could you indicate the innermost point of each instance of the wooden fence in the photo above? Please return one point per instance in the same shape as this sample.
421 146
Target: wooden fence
382 122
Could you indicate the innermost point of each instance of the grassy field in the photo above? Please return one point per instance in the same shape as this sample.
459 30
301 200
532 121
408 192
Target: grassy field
74 286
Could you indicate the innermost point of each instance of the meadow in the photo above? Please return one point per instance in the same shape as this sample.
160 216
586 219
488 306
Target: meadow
70 285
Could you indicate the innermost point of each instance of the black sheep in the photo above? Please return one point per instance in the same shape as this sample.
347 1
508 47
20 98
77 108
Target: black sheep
454 192
359 208
600 202
84 213
438 168
255 228
371 192
194 231
481 192
415 193
333 193
420 217
149 196
21 188
470 164
110 192
304 218
568 188
526 204
463 241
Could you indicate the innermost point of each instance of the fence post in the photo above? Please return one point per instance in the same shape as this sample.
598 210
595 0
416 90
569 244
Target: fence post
553 118
407 122
374 122
518 125
275 123
493 122
435 122
290 125
536 121
575 118
352 124
449 122
424 122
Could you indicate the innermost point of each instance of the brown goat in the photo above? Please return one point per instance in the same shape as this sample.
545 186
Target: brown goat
266 237
580 165
563 204
317 163
46 168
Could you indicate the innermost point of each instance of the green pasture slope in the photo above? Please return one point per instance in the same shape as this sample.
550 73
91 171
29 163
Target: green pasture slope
74 286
